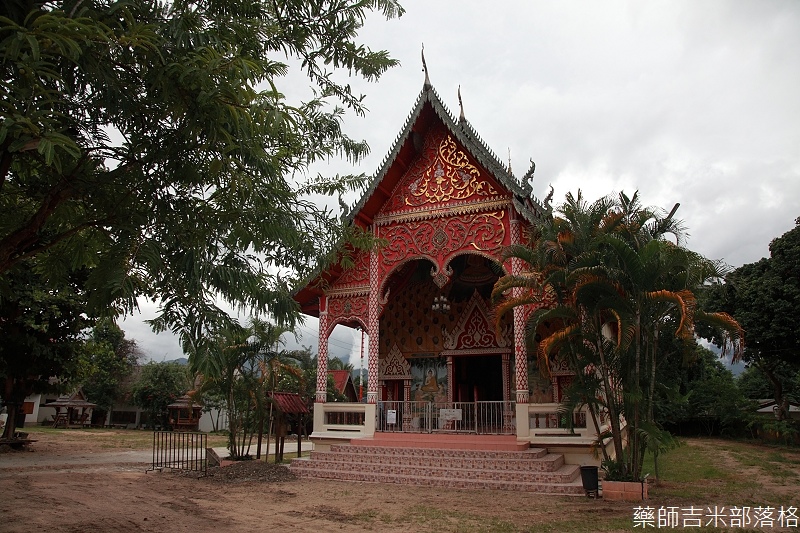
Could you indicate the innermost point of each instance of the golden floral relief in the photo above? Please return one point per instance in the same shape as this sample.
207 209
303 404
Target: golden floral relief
450 177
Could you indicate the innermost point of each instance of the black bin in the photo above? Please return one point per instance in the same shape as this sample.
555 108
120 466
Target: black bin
589 479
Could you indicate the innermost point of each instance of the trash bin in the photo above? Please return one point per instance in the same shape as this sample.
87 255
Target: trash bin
589 480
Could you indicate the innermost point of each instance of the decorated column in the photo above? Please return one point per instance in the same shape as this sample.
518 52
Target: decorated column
373 310
520 351
450 379
322 360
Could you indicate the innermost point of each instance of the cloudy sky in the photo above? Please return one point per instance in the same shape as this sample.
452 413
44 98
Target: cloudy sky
690 102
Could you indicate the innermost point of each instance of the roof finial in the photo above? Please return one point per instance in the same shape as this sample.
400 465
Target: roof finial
461 117
527 179
509 161
549 197
427 85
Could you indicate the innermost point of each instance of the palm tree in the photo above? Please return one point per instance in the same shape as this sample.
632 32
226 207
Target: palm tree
606 275
239 362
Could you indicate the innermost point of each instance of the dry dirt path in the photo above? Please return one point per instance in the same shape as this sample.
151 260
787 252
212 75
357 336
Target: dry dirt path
71 487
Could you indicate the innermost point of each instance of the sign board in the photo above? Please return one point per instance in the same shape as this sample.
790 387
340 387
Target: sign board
450 414
391 416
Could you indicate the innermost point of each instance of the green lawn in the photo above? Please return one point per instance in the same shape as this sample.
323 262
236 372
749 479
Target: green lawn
121 439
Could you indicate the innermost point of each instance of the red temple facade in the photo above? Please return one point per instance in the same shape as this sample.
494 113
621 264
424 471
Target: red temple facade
445 208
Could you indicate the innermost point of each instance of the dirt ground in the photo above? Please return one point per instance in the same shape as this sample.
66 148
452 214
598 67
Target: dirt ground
66 493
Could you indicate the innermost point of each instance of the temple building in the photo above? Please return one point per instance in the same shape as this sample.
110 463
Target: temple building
445 208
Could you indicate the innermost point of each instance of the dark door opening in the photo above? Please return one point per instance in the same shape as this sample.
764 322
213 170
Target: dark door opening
478 378
393 390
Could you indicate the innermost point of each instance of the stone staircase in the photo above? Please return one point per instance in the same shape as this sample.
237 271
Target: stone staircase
466 464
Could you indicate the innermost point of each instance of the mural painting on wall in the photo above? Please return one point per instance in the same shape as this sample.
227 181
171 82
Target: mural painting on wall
541 388
428 379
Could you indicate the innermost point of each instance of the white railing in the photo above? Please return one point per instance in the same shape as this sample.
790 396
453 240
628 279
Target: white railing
342 417
547 419
484 418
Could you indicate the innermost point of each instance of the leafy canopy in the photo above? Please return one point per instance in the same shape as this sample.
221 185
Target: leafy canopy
107 361
157 386
765 298
152 141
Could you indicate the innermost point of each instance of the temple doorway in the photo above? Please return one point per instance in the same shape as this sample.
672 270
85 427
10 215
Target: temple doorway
478 378
393 390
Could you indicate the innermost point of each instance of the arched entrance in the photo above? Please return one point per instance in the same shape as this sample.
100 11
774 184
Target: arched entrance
443 366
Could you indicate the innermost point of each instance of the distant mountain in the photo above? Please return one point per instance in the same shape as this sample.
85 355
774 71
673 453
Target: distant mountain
180 360
735 368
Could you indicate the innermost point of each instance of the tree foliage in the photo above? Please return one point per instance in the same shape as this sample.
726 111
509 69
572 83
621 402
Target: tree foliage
158 385
108 361
765 298
242 364
152 141
307 385
604 284
42 333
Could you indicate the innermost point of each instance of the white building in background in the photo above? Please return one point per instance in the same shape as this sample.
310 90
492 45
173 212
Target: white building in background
37 413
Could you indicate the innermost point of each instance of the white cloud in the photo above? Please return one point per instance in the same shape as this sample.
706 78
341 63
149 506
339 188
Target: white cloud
687 102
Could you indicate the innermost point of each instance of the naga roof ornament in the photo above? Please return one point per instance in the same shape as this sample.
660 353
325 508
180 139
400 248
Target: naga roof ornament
461 117
427 85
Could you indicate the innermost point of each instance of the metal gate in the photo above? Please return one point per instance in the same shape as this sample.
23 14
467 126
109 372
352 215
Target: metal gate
480 418
179 450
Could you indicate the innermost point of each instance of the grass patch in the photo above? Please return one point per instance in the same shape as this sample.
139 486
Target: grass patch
111 439
685 464
714 472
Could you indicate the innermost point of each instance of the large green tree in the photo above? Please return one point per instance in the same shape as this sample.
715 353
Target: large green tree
41 328
157 386
108 361
152 141
765 298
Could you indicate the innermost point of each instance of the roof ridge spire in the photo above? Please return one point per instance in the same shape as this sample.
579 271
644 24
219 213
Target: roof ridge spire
509 161
427 85
461 117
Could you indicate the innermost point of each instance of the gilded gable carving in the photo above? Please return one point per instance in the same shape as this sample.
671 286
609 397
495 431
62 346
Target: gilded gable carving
394 365
442 174
475 329
450 177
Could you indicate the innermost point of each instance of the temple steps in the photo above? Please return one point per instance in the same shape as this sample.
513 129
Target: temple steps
453 441
532 470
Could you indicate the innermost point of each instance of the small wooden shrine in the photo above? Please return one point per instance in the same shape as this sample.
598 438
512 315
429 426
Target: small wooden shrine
184 414
290 412
72 410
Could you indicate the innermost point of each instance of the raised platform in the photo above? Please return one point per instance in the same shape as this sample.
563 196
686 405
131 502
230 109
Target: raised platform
485 464
444 441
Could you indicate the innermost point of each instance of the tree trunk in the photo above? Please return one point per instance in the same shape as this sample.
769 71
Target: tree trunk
269 432
260 434
13 403
633 429
616 432
12 409
782 404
